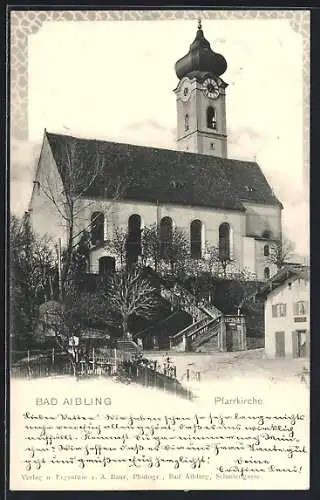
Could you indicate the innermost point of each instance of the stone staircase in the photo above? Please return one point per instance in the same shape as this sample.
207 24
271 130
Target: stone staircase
208 321
180 297
212 330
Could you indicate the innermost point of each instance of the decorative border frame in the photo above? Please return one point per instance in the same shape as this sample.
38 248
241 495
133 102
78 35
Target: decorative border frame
24 23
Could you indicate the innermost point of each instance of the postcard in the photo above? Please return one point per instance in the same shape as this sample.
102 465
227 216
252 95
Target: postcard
159 250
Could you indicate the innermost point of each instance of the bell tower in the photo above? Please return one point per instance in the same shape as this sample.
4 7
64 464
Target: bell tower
200 95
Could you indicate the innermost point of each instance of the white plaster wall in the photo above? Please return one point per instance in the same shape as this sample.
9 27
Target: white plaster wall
249 254
118 213
199 137
188 143
45 216
262 217
95 255
184 108
262 261
219 145
300 290
220 106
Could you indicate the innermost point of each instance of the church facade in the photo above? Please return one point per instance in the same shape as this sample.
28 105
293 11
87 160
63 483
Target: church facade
217 201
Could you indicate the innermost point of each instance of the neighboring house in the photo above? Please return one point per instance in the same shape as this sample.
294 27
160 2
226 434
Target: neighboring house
287 315
224 202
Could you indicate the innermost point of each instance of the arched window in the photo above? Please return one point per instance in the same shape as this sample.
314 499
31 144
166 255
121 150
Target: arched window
97 228
165 233
211 118
224 241
266 273
107 265
266 250
186 122
195 238
134 238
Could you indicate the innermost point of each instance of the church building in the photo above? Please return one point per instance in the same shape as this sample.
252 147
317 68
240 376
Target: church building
217 201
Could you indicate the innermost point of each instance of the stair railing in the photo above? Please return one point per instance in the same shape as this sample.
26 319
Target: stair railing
211 310
205 333
184 302
177 338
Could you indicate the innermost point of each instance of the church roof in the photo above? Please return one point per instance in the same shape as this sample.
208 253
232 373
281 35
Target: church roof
167 176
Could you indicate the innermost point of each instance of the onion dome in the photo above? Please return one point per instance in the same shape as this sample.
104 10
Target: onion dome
200 58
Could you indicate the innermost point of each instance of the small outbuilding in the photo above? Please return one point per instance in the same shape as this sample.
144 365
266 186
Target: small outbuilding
287 315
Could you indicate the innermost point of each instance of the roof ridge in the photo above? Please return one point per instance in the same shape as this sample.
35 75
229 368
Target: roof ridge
157 148
208 181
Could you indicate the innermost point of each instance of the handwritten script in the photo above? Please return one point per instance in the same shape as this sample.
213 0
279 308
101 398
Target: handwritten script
118 446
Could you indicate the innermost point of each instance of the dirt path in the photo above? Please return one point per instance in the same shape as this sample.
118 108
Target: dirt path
247 364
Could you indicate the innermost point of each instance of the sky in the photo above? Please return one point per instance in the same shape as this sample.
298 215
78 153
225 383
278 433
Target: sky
114 80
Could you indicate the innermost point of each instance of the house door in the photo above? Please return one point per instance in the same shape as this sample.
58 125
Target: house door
229 337
280 345
301 344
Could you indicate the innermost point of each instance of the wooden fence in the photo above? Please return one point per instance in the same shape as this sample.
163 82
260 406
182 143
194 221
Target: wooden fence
53 362
124 365
150 377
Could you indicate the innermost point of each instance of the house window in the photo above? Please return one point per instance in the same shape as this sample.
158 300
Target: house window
279 310
97 228
224 241
266 273
186 122
300 308
195 238
134 238
211 118
212 145
165 234
266 250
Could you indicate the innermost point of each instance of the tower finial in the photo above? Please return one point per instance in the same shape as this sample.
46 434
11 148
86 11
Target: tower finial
199 24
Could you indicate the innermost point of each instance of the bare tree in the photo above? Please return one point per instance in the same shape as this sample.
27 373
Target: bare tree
118 244
281 252
33 270
217 261
129 293
68 196
151 245
174 251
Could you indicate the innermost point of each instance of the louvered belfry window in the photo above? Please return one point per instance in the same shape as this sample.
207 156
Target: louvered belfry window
211 118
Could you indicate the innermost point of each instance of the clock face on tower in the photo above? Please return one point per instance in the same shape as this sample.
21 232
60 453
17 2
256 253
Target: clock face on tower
210 88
